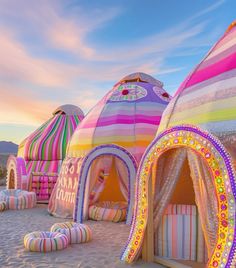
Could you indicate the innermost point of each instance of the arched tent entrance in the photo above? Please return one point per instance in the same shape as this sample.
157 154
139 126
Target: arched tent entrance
218 163
82 198
16 172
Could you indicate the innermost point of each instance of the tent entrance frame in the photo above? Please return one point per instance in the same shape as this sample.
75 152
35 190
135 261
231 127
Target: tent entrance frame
80 211
16 169
220 164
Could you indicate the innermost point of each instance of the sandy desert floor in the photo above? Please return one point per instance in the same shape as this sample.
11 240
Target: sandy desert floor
102 252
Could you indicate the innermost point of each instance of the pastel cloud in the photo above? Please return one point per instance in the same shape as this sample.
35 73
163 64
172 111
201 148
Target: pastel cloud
66 31
17 63
21 106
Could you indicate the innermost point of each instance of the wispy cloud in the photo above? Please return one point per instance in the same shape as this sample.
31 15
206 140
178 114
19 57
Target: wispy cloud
57 28
17 64
73 32
209 9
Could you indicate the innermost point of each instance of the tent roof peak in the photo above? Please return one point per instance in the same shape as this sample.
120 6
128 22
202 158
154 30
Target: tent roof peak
68 109
141 77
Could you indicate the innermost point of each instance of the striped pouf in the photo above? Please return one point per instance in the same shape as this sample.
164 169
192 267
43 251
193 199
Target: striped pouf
178 232
108 211
3 206
18 199
75 232
45 241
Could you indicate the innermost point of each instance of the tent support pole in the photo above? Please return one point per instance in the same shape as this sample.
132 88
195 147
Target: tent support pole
148 243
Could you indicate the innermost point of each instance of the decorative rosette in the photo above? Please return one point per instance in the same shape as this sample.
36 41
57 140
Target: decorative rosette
161 93
128 92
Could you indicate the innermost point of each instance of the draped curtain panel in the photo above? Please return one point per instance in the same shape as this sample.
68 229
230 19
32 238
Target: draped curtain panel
168 171
123 176
100 168
97 178
205 197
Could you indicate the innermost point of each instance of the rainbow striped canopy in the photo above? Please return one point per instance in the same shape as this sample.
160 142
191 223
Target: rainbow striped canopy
49 141
207 97
127 116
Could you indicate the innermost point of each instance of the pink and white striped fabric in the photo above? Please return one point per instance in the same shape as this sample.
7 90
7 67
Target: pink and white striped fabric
108 211
45 241
179 235
209 92
75 232
18 199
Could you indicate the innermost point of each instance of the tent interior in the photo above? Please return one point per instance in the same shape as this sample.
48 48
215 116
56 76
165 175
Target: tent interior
107 180
12 179
185 208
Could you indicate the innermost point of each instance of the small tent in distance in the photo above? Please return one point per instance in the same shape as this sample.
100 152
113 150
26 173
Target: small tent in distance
40 155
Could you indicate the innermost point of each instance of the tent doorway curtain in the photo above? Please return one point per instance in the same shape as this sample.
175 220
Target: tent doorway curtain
185 206
102 161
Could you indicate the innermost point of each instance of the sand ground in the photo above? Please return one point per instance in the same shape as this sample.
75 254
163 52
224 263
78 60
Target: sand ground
103 251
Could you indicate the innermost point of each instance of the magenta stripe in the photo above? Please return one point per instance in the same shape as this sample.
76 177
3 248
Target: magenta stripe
128 132
218 57
123 120
222 66
215 79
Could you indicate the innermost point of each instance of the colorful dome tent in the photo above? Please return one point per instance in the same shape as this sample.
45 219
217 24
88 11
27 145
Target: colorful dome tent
198 129
107 146
40 155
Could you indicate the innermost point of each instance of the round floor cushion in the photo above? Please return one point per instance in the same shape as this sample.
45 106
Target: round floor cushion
18 199
108 211
75 232
45 241
3 206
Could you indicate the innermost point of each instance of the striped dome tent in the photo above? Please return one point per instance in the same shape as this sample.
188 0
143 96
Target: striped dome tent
111 141
128 116
43 151
195 155
209 92
50 140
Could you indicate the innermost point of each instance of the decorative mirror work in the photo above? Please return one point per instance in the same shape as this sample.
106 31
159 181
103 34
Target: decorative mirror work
220 165
128 92
162 94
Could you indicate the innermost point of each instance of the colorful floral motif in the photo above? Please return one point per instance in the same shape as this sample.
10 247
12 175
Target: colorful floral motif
128 92
219 162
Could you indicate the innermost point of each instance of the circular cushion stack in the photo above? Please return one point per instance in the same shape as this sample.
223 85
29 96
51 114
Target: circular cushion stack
108 211
75 232
45 241
18 199
3 206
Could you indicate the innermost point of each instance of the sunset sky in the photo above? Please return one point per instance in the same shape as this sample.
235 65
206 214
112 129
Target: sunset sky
58 52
